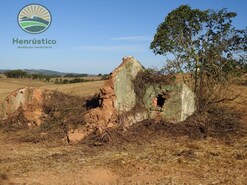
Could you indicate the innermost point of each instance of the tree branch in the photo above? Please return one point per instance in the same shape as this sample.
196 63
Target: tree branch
224 99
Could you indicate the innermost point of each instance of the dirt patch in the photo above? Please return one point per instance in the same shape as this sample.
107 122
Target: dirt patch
86 176
4 178
100 176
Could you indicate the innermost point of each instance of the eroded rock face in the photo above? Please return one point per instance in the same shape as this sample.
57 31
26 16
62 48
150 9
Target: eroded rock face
123 78
29 100
118 94
173 103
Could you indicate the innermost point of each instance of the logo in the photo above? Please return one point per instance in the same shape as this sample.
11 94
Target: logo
34 18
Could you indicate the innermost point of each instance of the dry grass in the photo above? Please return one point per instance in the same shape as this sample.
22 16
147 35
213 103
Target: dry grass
160 160
81 89
8 85
139 156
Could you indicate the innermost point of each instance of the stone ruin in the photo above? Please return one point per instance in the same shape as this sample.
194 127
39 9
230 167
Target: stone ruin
117 103
29 100
173 103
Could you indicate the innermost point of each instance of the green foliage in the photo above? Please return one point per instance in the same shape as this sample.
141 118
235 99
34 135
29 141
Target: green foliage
204 44
72 75
105 76
178 30
24 74
75 80
16 74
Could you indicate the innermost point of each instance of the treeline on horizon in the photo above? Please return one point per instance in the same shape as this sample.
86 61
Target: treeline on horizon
47 77
23 74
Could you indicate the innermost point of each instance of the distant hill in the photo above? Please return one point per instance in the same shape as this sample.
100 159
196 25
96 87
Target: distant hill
34 18
38 71
45 72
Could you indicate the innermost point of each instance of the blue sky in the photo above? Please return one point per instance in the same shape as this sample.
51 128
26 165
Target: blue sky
93 35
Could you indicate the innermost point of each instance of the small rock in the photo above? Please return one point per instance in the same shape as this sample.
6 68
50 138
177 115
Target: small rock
111 125
75 136
99 131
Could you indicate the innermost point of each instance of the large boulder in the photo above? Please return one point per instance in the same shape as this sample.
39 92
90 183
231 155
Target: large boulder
118 95
28 100
122 78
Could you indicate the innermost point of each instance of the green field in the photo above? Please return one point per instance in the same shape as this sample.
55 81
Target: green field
26 24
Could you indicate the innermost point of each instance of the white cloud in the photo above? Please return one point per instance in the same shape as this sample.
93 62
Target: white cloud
133 38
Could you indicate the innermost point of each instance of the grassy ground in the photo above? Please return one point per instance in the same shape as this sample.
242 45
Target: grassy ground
82 89
145 154
8 85
162 160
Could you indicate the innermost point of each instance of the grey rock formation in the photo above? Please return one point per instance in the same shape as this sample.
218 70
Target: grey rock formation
171 103
123 84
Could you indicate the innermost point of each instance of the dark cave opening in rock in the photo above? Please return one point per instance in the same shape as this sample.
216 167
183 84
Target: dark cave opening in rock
160 100
93 102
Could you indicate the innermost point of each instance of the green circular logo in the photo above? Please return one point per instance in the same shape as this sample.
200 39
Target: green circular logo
34 18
